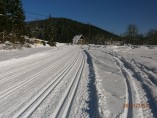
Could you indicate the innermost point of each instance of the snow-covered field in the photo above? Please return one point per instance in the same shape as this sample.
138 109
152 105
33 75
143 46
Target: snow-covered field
72 81
126 80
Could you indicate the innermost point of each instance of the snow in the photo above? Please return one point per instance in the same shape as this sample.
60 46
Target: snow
126 75
72 81
110 84
35 82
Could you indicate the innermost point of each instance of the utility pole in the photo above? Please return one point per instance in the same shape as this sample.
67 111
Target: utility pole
89 37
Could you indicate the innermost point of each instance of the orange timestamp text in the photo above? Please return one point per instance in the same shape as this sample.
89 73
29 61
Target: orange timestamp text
145 105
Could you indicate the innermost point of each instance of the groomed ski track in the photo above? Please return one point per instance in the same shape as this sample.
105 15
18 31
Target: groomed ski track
73 82
46 84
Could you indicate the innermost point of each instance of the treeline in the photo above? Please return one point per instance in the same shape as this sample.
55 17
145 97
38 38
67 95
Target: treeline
132 36
13 28
12 24
63 30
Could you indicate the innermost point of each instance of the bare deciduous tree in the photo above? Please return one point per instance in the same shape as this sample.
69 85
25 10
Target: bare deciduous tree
132 31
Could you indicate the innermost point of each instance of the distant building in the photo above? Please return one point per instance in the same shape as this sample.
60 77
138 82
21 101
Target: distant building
79 40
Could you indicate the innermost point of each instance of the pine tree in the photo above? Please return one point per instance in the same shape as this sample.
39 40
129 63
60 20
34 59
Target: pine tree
152 37
3 20
49 35
2 15
16 20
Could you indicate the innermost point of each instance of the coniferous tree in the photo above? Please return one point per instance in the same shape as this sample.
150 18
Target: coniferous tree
3 13
49 35
12 25
16 20
3 20
152 37
36 30
63 30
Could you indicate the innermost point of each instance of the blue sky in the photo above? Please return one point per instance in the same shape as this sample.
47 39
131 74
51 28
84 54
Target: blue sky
110 15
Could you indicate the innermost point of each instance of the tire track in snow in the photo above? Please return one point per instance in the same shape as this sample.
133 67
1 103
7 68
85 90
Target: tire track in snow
147 72
149 89
128 112
141 95
31 78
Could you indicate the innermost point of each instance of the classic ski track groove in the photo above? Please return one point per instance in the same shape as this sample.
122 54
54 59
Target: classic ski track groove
31 78
31 106
23 69
8 68
69 94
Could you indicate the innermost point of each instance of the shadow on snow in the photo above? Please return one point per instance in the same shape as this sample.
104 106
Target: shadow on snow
93 100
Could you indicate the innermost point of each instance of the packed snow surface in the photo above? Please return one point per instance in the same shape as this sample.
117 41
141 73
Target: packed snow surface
79 82
126 80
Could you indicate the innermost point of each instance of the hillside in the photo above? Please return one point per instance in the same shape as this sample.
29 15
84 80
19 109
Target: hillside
63 30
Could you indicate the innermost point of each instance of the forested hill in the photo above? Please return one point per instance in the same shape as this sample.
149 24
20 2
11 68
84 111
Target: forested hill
63 30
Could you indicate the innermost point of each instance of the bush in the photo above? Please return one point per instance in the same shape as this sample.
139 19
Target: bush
8 43
27 45
52 43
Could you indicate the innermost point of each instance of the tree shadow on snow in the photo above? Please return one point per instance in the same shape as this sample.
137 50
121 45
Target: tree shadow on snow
93 100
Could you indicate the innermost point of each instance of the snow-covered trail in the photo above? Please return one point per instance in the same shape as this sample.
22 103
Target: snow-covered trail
139 100
45 84
71 82
133 89
142 81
